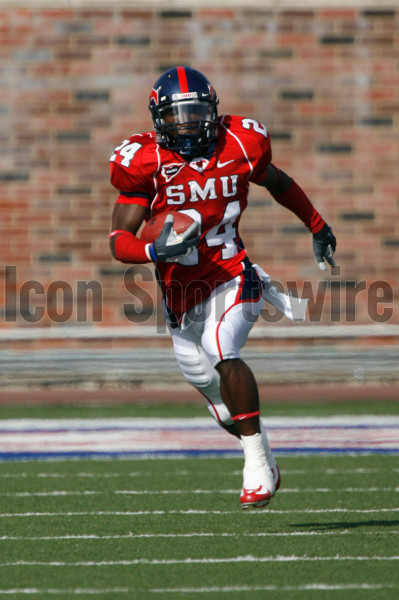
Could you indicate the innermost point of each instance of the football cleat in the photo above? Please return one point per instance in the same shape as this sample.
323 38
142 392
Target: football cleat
257 497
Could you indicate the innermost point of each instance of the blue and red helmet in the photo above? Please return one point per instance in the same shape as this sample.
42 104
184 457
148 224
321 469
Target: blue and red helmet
183 106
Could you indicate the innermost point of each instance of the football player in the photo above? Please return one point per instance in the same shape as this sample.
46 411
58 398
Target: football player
202 164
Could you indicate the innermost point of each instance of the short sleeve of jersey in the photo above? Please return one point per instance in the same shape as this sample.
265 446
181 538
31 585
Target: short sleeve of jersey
255 141
132 167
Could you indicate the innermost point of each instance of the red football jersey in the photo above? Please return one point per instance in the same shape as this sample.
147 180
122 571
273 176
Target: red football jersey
212 191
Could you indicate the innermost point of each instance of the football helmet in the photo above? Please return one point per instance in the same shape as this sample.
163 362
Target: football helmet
183 106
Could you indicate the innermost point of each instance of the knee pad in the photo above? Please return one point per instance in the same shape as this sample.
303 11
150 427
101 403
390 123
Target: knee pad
199 372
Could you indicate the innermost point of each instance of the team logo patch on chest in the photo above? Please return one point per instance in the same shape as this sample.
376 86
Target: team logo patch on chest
171 170
199 164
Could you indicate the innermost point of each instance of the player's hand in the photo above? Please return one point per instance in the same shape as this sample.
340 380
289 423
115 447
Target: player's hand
169 245
324 244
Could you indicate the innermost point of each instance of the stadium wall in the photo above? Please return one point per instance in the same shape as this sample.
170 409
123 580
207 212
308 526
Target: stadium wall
74 82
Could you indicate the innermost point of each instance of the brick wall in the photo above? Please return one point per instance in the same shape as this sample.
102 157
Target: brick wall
74 83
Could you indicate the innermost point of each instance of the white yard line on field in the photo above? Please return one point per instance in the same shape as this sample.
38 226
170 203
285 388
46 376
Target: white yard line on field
192 535
60 493
360 471
25 475
139 513
63 493
77 591
281 491
188 561
192 590
184 473
275 588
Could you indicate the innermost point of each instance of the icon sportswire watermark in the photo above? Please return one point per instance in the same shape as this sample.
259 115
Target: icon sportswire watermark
83 301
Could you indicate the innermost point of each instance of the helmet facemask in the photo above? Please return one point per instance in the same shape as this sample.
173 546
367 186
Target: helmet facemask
186 126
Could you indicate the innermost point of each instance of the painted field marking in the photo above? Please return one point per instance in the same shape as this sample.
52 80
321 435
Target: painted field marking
184 473
281 491
55 494
193 561
139 513
275 588
76 591
64 493
130 535
44 438
192 590
83 475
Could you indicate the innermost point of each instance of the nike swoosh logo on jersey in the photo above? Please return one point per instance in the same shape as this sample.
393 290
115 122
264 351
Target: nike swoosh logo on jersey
220 165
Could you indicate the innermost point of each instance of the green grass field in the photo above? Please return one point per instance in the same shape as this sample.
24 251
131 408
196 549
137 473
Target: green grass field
173 528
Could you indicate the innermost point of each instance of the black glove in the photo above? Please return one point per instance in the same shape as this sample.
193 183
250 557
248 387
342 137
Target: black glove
324 244
169 246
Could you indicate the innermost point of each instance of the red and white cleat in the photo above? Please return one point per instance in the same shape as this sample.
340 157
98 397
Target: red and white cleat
255 498
260 496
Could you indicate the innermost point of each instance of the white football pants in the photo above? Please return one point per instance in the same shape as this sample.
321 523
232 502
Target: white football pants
214 330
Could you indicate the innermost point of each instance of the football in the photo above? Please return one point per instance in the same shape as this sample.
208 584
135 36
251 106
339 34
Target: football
152 229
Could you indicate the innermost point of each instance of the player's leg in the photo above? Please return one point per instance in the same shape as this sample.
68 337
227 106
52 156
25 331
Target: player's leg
199 372
232 311
238 381
239 392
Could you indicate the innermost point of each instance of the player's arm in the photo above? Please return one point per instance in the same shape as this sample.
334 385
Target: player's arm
126 247
290 195
132 166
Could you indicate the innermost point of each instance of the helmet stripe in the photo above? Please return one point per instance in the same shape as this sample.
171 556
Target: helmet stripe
181 73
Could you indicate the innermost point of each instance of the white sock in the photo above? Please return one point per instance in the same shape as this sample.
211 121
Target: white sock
269 454
256 469
271 461
254 451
